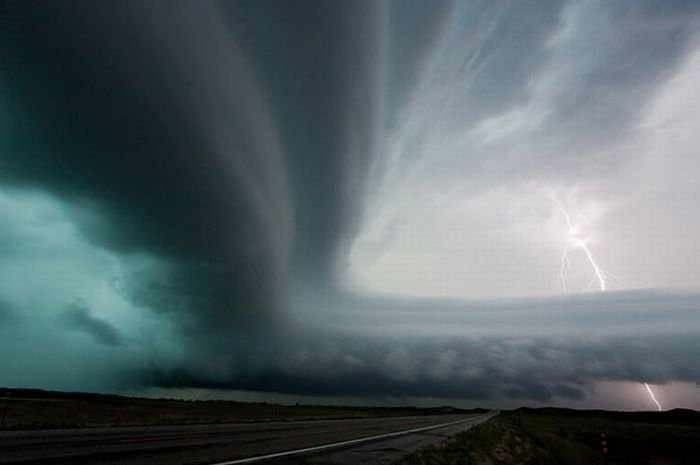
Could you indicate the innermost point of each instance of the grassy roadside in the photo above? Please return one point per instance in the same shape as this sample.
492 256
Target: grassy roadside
34 409
567 437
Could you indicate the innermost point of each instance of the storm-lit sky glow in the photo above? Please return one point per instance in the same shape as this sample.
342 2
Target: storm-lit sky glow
379 202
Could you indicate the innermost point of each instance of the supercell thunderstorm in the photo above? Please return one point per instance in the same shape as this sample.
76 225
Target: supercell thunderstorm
335 199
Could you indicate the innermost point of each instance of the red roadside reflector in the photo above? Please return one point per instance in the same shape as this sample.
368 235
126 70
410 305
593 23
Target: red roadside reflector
603 443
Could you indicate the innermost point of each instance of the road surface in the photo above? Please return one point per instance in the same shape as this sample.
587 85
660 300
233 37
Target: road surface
363 441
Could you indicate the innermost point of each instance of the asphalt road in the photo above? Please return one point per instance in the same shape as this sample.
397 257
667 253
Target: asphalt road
234 443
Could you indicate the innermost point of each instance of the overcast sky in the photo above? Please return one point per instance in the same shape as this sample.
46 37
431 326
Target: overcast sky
474 202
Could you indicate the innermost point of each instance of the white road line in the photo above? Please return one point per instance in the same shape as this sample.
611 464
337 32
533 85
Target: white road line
343 443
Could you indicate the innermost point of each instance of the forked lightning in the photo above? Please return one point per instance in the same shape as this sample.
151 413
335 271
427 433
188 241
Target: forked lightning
577 242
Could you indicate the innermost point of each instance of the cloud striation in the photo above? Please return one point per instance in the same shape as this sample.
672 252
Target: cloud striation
338 198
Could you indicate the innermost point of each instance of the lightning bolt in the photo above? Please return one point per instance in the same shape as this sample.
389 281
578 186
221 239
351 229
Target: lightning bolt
653 397
577 242
600 275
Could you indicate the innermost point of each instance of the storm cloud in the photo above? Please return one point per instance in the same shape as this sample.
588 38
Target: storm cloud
133 139
6 313
353 198
77 317
537 349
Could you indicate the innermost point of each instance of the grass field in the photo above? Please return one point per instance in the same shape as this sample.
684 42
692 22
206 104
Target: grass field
32 409
568 437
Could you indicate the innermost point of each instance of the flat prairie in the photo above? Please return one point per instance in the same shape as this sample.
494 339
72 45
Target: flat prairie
38 409
572 437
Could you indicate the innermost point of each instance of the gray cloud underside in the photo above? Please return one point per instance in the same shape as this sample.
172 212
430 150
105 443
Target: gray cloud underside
237 142
543 349
523 368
